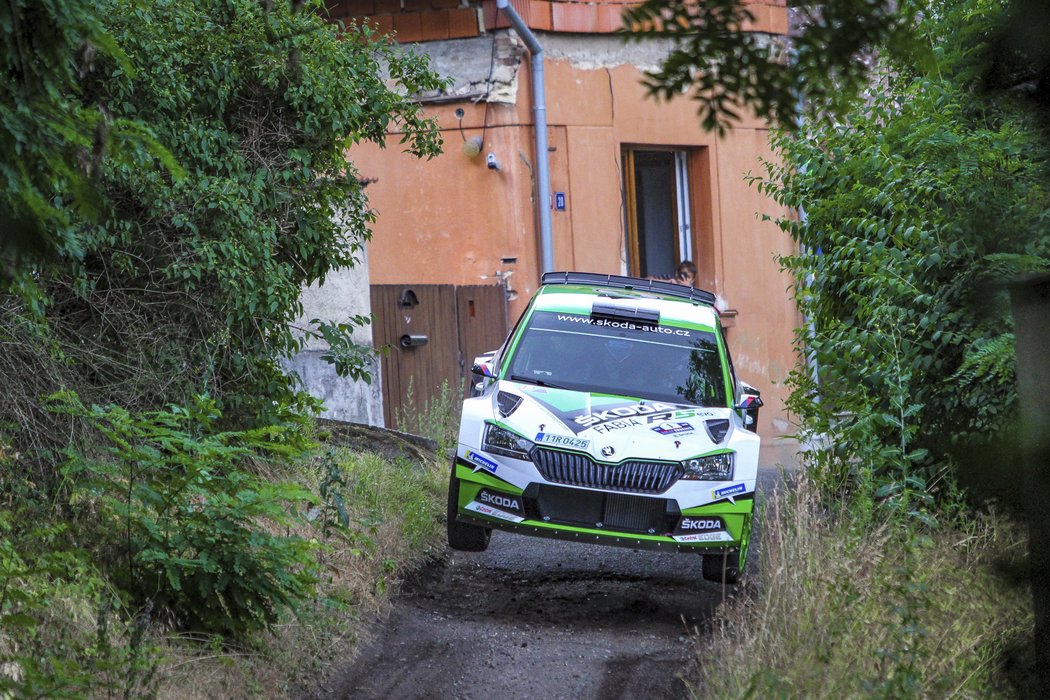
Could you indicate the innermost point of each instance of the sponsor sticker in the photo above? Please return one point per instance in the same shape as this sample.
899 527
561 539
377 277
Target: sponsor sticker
704 537
698 528
626 325
481 461
563 441
494 512
695 524
673 415
679 428
499 505
500 500
729 492
620 412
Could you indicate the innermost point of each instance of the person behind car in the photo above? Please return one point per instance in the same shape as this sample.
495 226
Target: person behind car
685 274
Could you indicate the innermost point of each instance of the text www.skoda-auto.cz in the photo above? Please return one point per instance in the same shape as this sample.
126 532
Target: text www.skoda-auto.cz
625 325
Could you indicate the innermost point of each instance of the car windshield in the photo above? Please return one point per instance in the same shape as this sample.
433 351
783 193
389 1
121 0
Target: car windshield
621 357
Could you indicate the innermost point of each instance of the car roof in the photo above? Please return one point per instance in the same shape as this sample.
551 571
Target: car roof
576 292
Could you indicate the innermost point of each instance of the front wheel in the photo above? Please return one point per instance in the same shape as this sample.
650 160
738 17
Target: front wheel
722 566
463 536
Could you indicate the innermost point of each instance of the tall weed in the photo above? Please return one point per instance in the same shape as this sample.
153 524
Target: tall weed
438 419
846 610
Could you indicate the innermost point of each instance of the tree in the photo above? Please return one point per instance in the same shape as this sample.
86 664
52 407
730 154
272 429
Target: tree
52 140
914 210
186 279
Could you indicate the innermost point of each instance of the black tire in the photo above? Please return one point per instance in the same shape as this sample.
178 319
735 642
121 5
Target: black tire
722 566
463 536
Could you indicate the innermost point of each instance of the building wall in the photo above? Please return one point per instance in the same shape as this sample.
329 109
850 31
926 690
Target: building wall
453 220
344 294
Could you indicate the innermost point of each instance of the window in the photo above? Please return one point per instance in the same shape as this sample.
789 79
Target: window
659 226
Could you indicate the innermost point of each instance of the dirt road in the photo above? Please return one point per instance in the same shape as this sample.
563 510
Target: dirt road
534 618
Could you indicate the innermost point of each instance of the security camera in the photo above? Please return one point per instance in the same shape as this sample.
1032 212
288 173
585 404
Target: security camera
490 160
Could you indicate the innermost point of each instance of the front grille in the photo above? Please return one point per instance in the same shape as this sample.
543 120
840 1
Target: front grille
607 511
581 470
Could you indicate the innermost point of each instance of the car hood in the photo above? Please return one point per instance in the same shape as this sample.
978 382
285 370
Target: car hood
613 428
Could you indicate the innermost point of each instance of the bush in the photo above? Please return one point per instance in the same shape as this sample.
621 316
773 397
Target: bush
63 629
181 525
187 280
913 212
173 562
377 520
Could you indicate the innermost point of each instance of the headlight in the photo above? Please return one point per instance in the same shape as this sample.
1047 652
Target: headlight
710 468
501 441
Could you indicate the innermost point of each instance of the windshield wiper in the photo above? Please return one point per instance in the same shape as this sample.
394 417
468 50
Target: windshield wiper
537 382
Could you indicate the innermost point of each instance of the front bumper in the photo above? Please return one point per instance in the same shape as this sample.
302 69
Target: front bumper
586 515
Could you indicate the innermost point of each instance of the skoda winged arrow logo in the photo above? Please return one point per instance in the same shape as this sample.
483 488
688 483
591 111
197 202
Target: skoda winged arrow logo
608 451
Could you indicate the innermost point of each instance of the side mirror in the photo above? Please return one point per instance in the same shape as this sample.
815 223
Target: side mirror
749 402
482 366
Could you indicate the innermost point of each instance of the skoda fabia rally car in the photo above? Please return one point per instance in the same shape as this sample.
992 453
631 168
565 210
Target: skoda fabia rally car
611 414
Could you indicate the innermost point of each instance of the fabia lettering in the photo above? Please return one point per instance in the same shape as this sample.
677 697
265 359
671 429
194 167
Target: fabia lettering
616 425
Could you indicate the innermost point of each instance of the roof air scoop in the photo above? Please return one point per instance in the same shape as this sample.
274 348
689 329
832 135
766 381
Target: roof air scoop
625 312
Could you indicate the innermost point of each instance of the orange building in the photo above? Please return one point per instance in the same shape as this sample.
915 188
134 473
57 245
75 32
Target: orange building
636 186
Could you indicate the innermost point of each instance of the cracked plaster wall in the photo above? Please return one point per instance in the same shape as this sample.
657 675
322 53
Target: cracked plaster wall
486 67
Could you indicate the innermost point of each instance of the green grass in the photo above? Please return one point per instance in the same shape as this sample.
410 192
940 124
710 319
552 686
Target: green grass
841 611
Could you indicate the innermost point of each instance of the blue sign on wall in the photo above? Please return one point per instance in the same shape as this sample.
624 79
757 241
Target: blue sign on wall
559 201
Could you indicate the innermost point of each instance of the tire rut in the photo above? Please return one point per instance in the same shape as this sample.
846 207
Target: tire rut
537 618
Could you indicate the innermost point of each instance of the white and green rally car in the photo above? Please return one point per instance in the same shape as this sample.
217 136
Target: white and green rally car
611 415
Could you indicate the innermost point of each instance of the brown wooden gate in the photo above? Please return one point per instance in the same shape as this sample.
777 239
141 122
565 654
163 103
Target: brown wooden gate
432 333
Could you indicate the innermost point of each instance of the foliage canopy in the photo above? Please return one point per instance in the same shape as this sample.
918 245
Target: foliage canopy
186 279
821 71
913 213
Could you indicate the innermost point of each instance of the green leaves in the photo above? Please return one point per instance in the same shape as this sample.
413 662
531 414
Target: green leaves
349 358
916 210
729 71
197 532
220 189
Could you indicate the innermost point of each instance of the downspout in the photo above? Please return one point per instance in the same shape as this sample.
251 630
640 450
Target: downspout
539 109
811 328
